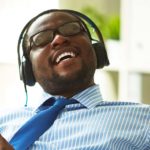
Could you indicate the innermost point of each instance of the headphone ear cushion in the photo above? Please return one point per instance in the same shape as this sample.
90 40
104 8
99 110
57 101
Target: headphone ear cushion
101 54
26 73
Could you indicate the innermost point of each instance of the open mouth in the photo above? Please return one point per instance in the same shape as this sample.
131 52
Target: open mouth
64 56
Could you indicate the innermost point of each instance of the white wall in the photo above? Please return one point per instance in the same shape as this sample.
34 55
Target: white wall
135 58
14 14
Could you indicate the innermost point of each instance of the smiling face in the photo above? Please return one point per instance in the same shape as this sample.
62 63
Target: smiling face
66 64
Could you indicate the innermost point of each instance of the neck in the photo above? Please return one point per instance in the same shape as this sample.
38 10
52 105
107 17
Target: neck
74 90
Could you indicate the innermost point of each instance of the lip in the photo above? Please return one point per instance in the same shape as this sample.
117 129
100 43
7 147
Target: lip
62 50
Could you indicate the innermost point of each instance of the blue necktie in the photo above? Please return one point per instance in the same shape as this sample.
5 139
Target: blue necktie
38 124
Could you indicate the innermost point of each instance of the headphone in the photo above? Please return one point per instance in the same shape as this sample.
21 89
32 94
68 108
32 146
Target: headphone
25 66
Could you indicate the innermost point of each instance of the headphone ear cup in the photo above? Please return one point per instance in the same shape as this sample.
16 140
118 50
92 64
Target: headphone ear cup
101 54
26 73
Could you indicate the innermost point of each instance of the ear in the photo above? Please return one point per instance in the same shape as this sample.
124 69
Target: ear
101 54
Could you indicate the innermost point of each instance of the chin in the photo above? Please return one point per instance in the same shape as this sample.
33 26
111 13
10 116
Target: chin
67 80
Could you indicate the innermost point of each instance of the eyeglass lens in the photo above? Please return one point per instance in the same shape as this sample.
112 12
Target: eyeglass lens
44 37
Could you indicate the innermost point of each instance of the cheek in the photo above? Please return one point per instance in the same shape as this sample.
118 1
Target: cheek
88 52
35 59
39 62
39 56
91 57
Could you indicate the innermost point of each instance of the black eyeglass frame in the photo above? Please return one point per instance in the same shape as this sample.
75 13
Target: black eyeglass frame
56 31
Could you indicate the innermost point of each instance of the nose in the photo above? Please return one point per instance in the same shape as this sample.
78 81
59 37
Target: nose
59 40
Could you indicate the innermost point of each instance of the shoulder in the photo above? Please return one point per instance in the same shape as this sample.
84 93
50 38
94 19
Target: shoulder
10 113
128 109
127 113
11 119
124 104
7 109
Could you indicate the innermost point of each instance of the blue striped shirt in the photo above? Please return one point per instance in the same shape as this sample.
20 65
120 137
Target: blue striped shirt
92 124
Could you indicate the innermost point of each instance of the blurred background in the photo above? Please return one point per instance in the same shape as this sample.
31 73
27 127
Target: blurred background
125 27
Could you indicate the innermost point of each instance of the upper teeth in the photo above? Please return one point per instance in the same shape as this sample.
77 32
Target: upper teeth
63 55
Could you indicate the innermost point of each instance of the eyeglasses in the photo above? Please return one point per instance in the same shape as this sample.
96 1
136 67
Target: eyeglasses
44 37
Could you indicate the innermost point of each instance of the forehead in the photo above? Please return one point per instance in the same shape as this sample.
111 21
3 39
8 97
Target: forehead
50 20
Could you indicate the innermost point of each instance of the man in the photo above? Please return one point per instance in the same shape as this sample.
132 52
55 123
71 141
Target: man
64 61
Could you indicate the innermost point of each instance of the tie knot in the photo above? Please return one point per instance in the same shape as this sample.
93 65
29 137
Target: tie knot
59 102
64 101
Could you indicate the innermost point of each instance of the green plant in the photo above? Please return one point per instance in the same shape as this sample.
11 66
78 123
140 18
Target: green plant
109 25
114 27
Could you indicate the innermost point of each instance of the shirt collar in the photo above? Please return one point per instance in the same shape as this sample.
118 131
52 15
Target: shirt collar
89 97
